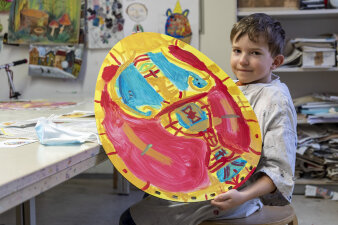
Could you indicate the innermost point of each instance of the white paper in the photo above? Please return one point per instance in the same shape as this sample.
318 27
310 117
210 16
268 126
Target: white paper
13 143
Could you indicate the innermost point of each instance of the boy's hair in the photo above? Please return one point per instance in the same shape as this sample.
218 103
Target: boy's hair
258 24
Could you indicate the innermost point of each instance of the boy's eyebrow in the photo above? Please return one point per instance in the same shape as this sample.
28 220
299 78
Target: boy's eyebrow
251 49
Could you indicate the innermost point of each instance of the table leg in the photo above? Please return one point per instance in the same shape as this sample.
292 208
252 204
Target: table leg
120 183
25 213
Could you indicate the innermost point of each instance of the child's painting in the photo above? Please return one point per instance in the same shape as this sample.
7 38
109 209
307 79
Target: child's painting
105 23
5 5
44 22
172 122
23 105
176 18
177 24
55 61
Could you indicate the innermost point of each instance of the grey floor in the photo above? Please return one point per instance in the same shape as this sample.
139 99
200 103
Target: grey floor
89 201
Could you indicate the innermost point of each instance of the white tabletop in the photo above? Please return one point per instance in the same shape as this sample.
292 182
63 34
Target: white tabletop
28 170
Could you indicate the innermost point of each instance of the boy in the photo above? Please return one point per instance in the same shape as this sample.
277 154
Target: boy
257 43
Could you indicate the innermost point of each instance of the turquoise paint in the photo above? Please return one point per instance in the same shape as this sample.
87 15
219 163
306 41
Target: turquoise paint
177 75
135 90
231 169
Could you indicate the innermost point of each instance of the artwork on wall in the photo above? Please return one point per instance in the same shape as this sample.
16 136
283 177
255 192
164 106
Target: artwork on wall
172 122
44 22
176 18
105 23
5 5
55 61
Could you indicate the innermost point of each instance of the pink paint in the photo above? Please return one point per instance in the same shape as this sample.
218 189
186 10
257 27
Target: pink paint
187 171
235 140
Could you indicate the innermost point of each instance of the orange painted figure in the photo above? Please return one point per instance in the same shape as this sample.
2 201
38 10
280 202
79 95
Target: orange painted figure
172 122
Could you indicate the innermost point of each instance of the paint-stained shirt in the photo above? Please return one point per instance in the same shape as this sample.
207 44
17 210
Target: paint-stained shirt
277 119
276 115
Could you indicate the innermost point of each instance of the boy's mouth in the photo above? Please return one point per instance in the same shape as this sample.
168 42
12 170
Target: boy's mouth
244 70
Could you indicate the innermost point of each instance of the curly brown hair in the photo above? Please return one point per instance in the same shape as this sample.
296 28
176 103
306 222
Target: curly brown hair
259 24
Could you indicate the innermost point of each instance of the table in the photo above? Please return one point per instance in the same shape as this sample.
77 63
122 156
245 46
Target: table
29 170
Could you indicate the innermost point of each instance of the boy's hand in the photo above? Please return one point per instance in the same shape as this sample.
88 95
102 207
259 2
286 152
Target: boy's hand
229 199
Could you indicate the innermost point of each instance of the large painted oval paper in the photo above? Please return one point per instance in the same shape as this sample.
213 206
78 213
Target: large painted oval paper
172 122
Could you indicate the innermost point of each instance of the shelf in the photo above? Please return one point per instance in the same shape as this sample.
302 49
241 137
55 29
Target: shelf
300 69
283 13
315 181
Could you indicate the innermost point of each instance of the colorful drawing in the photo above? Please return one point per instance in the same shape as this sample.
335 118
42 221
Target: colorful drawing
55 61
137 12
165 17
5 5
105 23
17 105
172 122
44 22
177 24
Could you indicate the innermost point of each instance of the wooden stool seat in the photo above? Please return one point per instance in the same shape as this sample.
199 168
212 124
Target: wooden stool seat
268 215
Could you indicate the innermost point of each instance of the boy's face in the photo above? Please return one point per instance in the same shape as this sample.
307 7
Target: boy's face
251 61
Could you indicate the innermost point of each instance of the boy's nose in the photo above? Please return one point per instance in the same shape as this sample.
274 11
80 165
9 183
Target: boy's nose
243 60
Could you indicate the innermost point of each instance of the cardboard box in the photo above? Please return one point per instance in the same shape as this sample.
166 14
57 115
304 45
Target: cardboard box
323 58
290 4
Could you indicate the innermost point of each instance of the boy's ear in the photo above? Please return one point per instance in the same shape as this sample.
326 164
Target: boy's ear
278 60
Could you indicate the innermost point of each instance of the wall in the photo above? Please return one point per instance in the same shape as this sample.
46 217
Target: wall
217 17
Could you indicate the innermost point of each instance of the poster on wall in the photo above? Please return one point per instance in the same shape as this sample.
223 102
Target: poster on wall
176 18
5 5
173 122
44 22
55 61
104 23
58 61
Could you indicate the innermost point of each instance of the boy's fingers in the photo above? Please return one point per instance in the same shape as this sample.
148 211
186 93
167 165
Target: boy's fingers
221 197
220 205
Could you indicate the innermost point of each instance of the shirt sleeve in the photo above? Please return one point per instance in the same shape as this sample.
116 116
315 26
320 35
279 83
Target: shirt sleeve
278 125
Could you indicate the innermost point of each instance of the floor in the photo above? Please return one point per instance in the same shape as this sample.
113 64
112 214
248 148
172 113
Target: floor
91 201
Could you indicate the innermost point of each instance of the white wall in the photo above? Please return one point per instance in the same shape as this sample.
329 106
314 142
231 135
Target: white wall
217 17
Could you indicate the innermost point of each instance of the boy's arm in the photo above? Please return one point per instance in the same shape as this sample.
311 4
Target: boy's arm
233 198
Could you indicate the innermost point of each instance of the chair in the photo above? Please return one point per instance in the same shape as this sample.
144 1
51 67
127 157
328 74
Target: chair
268 215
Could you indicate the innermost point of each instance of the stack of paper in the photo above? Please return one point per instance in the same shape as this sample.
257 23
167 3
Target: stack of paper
312 53
317 148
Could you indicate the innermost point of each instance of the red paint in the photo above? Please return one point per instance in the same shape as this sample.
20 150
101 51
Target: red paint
125 171
140 60
146 186
109 72
225 79
255 152
152 73
180 95
235 180
112 153
187 171
255 121
118 62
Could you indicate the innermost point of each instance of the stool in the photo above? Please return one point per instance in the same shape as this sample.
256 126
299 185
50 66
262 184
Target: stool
268 215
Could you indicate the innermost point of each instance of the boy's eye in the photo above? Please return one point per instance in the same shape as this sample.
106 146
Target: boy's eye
236 51
255 53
